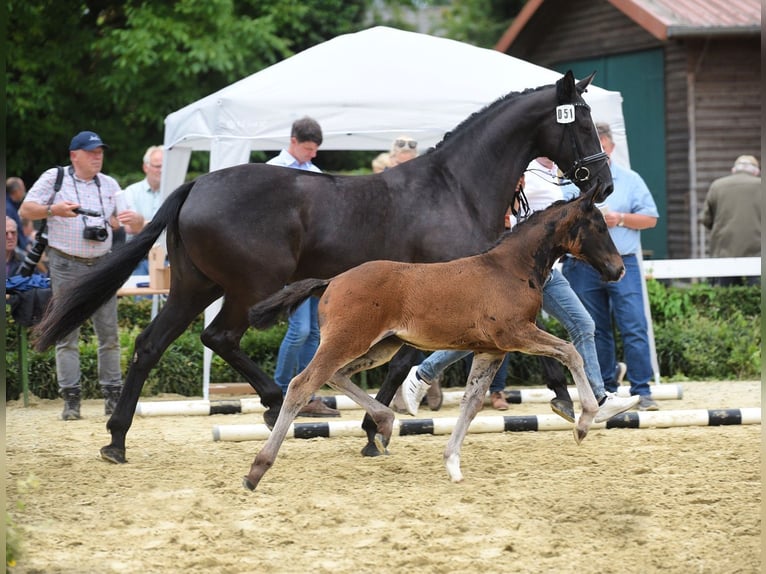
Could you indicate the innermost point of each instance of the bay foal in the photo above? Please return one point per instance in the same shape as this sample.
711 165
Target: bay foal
486 303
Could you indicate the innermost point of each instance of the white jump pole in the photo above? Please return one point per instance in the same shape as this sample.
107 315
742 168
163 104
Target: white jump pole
342 402
489 424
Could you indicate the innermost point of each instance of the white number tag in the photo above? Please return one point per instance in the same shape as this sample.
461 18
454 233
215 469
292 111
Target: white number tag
565 114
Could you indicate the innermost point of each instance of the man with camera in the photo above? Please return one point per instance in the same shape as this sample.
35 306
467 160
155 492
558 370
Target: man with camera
80 207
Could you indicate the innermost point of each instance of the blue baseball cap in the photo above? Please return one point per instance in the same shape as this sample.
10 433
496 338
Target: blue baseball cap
87 141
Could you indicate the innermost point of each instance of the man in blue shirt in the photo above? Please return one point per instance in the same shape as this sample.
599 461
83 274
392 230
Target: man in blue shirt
302 337
15 190
144 196
628 209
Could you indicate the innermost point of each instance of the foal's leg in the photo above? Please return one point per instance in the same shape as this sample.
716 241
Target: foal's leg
483 370
316 374
538 342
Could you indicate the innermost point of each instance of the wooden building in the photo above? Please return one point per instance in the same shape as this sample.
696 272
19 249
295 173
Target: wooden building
689 72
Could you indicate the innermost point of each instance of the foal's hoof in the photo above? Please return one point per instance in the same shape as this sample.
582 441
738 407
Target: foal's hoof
579 435
113 454
247 484
371 449
270 417
563 408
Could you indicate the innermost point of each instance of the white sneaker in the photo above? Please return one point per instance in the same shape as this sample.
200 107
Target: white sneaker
614 405
413 391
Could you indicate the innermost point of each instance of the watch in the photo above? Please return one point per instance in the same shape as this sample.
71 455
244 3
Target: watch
621 223
50 211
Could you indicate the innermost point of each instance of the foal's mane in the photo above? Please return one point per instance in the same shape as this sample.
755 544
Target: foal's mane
523 225
466 123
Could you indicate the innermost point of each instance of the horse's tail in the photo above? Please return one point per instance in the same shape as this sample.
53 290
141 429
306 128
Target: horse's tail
72 305
264 314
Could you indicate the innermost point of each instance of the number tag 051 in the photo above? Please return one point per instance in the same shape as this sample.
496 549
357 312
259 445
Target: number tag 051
565 114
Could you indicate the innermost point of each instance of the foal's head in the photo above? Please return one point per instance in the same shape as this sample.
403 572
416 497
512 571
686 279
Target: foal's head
587 236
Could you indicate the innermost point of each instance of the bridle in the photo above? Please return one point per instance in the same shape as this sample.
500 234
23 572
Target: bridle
580 172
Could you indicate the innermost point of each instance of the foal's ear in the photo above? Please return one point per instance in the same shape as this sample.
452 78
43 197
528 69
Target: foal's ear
583 84
591 196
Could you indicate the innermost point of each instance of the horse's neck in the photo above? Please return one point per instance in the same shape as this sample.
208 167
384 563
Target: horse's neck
488 156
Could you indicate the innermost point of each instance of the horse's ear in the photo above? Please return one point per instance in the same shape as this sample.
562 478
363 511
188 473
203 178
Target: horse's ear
565 88
583 84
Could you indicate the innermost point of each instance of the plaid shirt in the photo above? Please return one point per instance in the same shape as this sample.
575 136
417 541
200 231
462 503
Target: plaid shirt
65 233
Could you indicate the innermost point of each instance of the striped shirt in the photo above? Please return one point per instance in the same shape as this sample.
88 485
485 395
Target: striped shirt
65 233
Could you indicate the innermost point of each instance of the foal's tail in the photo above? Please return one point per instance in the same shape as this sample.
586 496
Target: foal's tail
72 305
264 314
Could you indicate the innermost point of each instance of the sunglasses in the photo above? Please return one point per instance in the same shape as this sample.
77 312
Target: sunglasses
412 144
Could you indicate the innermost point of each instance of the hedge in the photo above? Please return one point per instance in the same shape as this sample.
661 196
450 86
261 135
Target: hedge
701 333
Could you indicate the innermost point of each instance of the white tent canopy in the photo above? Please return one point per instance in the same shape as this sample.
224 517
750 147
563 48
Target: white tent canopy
364 89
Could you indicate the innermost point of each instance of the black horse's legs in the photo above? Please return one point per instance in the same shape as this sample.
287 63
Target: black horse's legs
556 380
223 336
166 327
398 368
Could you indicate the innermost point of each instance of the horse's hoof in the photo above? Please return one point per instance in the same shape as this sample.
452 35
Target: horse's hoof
381 443
563 408
579 435
270 417
371 450
247 484
113 454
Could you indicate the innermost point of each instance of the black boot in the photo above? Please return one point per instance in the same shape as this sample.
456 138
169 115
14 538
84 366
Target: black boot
71 404
111 396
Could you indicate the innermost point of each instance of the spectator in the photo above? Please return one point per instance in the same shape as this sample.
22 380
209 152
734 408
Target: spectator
628 209
13 253
302 337
15 190
559 300
732 212
75 243
144 196
381 162
403 149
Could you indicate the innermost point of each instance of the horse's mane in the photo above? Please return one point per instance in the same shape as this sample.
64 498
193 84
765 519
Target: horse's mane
522 225
466 123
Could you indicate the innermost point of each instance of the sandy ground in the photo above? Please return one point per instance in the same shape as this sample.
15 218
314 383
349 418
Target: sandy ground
672 500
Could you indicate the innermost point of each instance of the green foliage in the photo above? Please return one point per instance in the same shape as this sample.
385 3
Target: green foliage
701 332
478 22
706 332
119 67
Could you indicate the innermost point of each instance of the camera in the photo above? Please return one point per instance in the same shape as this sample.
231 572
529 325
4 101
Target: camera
95 233
27 266
90 212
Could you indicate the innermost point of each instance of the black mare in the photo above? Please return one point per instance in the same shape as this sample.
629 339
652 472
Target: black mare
246 231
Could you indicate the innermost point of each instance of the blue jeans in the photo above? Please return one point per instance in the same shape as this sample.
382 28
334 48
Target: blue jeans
562 303
299 344
438 361
623 300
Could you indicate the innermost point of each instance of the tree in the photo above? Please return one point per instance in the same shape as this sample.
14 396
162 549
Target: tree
119 67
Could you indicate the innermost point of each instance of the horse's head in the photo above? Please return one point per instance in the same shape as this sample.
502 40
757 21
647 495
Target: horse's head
568 136
588 236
